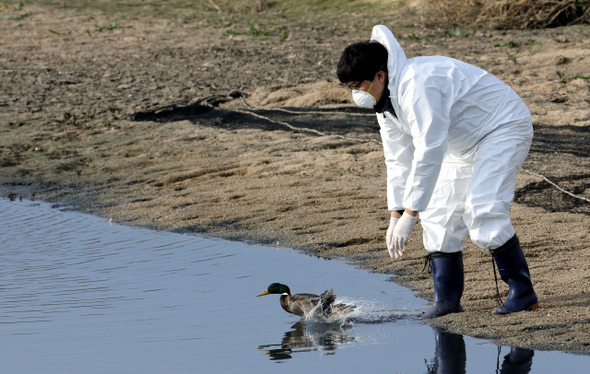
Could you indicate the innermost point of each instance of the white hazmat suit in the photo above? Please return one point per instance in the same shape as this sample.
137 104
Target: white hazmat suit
453 148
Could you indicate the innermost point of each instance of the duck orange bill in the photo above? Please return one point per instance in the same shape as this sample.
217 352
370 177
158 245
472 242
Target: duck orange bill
263 293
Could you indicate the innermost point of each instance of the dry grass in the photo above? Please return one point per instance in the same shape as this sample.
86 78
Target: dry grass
240 6
506 14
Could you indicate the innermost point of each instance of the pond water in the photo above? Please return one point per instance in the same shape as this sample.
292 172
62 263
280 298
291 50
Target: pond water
79 294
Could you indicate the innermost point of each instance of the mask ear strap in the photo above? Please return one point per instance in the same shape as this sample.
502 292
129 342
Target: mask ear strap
378 96
372 83
375 77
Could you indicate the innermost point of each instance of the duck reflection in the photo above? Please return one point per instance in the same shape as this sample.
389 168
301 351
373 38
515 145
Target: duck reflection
308 337
450 356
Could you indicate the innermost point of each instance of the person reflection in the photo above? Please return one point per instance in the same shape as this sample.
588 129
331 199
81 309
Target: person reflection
518 361
316 336
450 356
449 353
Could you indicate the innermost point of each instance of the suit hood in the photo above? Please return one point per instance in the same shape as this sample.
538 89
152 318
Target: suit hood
396 60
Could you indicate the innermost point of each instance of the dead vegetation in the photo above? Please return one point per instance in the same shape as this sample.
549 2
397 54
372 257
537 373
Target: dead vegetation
506 14
239 6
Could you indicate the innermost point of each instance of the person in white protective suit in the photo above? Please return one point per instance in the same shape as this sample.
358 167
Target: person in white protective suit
454 138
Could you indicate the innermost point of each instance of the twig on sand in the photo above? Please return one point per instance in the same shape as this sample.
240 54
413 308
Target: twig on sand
215 5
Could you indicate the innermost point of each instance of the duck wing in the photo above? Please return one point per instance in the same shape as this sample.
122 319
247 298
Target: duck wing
330 308
327 299
341 310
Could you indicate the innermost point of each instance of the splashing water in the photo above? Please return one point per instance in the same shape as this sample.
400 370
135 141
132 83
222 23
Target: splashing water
350 312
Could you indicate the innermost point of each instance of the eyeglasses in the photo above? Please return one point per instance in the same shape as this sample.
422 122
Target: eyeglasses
356 86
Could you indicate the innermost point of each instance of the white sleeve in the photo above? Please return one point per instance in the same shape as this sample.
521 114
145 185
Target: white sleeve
398 150
427 105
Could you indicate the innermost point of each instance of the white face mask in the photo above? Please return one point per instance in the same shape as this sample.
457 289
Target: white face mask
363 99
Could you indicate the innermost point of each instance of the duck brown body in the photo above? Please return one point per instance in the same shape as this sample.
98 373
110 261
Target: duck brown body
305 303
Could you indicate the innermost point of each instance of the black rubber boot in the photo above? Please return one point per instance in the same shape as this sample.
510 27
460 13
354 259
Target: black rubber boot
514 271
447 277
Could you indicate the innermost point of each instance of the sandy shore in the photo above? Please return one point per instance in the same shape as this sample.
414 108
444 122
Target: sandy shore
246 173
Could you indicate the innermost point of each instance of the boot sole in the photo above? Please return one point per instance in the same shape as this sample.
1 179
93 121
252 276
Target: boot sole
536 306
425 316
532 307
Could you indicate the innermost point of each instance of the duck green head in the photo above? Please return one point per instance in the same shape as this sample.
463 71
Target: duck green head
276 288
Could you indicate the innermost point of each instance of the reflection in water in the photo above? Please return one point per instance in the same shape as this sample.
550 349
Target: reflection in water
450 356
313 336
518 361
319 334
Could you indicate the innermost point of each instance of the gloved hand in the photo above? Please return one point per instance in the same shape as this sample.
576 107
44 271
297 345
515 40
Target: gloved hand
402 232
389 237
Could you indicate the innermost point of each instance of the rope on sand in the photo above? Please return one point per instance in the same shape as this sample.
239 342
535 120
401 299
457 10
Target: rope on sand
300 129
365 140
554 184
215 100
373 140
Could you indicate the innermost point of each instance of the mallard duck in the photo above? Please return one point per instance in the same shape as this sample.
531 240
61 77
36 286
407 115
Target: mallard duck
303 303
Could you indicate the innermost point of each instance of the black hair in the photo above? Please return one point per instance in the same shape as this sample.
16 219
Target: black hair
361 61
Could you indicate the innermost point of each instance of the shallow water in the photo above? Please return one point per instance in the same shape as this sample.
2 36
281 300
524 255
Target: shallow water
79 294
